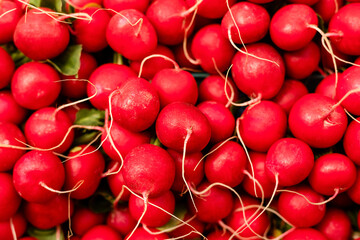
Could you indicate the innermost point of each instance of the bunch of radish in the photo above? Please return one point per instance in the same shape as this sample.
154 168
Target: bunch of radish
179 119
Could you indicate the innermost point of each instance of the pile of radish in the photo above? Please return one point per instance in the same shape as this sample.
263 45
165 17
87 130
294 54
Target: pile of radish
179 119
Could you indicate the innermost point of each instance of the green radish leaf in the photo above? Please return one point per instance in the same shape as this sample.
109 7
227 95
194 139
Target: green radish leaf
180 212
17 56
35 3
68 63
90 117
49 234
55 5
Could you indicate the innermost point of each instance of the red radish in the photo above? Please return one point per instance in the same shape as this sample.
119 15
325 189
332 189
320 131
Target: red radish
7 66
50 213
302 63
121 220
9 200
344 27
39 36
218 235
10 135
180 120
91 33
175 85
35 172
226 164
317 120
183 60
327 86
48 128
251 20
284 159
83 219
149 170
221 120
351 141
72 110
304 233
10 13
135 105
35 85
336 224
354 192
327 8
104 80
327 59
332 173
187 232
101 232
153 217
192 175
140 234
116 183
138 35
85 169
118 5
289 93
10 110
210 8
19 223
260 74
290 26
211 49
298 210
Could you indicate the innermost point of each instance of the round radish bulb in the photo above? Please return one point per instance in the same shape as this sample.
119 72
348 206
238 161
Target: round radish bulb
211 49
336 225
251 20
290 26
119 5
327 60
180 57
345 25
36 171
305 233
9 199
140 234
39 36
314 120
10 110
19 223
116 183
354 192
259 77
149 170
284 159
175 85
121 220
351 141
138 35
327 86
211 8
218 235
10 14
48 128
332 172
10 135
262 124
178 120
91 34
7 66
35 85
101 232
226 165
327 8
84 219
104 80
135 105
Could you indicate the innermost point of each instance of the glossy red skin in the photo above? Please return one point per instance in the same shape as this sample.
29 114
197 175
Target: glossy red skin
140 234
289 26
289 93
218 235
9 199
121 220
39 36
181 58
346 23
87 168
256 77
10 110
33 168
354 192
50 213
149 170
208 44
84 219
327 61
186 230
327 8
35 85
332 171
297 210
105 79
136 43
285 157
101 232
221 120
210 8
92 34
351 141
174 122
193 177
116 182
10 134
251 19
19 223
336 224
262 124
312 120
305 233
9 21
327 86
45 129
175 85
119 5
226 165
7 65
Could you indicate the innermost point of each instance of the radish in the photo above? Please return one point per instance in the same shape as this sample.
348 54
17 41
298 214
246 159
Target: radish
327 59
9 200
41 36
7 66
354 192
118 5
10 14
49 128
317 120
210 8
116 183
290 27
336 224
10 135
260 74
83 219
71 111
178 121
327 86
140 234
193 231
35 85
138 34
218 235
19 224
121 220
185 59
101 232
10 110
304 233
332 173
327 8
351 141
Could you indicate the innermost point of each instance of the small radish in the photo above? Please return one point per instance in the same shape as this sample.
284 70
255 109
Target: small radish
211 8
218 235
336 224
354 192
9 200
305 233
19 224
84 219
7 67
327 8
182 59
118 5
116 182
351 141
101 232
121 220
141 234
327 86
12 14
10 110
35 85
39 36
327 58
